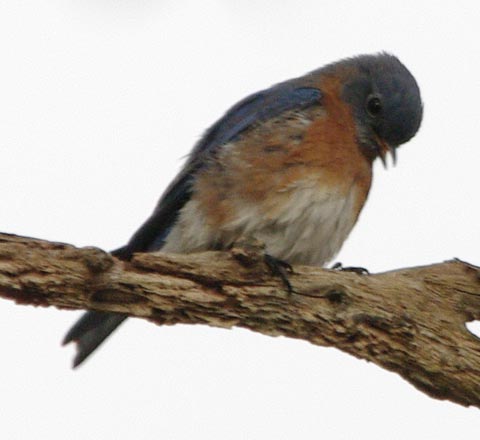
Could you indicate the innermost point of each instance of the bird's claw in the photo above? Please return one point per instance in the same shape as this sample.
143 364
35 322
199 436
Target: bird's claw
358 270
281 269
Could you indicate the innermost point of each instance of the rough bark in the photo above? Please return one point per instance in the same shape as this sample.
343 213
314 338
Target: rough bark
411 321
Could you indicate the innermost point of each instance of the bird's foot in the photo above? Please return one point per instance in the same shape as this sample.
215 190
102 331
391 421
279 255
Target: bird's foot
281 269
357 270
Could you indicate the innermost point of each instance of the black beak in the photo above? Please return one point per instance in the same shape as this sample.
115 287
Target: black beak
384 149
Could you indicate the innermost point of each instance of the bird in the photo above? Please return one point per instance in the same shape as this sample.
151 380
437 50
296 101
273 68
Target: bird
289 166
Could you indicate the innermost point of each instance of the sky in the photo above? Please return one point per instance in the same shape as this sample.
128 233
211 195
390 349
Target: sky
100 101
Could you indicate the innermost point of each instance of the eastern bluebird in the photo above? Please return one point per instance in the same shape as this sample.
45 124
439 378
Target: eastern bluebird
290 166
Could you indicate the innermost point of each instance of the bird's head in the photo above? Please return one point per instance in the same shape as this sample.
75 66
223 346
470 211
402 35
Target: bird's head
385 101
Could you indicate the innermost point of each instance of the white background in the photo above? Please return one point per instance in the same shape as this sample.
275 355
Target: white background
99 102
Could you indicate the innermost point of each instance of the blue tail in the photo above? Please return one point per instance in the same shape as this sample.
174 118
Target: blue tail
94 327
90 331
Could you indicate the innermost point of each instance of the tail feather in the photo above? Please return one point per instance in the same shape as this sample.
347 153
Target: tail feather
94 327
90 331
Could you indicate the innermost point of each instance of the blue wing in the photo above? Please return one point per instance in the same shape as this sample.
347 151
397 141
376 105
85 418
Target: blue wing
256 108
252 110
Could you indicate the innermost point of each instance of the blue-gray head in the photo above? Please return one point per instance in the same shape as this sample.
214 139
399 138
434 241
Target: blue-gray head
385 99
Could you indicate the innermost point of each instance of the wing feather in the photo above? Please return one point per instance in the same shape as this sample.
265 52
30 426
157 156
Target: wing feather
249 112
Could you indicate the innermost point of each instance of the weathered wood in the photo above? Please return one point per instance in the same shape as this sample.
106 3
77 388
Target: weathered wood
411 321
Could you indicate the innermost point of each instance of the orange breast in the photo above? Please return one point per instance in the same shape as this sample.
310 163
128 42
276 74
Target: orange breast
315 146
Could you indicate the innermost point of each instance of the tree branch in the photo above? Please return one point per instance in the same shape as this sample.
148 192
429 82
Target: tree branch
410 321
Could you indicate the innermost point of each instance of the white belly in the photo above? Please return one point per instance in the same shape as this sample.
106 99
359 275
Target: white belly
309 228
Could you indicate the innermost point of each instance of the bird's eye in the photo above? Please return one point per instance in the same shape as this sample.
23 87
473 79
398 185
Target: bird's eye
374 105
